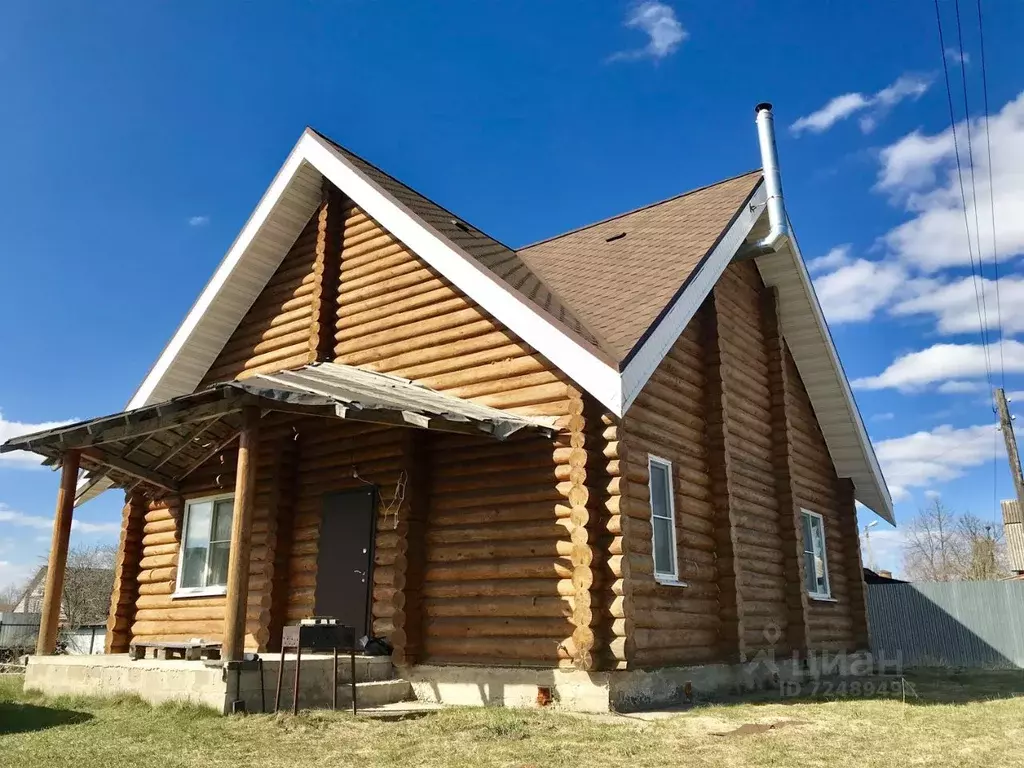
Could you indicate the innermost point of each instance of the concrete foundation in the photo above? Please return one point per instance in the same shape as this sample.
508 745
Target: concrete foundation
210 684
618 691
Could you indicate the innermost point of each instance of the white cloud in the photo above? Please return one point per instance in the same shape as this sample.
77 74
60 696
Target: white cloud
1016 395
919 173
658 21
198 221
839 108
957 387
944 362
857 290
834 259
887 416
936 456
955 304
13 517
9 429
952 54
931 493
875 106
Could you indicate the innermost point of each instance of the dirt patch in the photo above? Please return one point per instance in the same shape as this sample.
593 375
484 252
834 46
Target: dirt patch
750 728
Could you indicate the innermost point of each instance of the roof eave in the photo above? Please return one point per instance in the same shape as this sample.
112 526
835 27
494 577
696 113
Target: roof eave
845 434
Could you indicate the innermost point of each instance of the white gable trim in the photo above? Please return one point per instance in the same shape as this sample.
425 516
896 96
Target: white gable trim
268 234
814 352
809 341
250 262
573 358
668 330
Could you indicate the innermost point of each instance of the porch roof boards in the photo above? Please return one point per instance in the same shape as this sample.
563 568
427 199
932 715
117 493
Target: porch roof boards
156 446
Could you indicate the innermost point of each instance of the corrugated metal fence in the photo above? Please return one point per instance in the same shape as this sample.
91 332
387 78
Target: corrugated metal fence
19 631
969 624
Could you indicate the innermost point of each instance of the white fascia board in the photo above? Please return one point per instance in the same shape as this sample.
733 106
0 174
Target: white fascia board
579 363
667 332
867 449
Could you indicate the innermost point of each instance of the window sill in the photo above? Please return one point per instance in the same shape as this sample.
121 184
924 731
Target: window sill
666 582
207 592
823 598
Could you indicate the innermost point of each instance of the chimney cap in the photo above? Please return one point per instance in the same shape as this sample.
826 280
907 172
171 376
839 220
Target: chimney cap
764 105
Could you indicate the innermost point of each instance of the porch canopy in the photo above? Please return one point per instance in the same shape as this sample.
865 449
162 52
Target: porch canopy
154 448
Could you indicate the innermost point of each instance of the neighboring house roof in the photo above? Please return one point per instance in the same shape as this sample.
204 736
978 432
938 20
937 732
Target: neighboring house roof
622 273
33 587
605 312
875 577
1013 528
31 598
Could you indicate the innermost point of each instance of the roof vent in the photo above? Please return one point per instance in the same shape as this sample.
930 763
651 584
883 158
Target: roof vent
461 226
615 237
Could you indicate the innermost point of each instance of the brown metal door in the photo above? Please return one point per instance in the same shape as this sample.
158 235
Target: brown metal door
345 559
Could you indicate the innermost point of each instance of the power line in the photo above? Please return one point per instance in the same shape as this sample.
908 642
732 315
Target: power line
963 194
970 161
991 193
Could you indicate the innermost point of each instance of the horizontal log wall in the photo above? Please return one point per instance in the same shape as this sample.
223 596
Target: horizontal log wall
275 334
728 408
838 625
159 616
398 315
671 624
126 576
498 583
757 537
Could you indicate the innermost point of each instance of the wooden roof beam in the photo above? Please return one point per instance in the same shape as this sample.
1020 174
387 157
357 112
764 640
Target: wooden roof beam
132 469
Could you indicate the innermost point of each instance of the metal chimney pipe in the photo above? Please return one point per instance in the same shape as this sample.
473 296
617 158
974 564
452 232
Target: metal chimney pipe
777 220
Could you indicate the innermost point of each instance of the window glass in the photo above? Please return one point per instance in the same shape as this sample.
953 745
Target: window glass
207 544
815 556
222 520
662 522
197 545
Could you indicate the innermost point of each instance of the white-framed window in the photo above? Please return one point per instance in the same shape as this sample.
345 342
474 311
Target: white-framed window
663 519
815 556
205 546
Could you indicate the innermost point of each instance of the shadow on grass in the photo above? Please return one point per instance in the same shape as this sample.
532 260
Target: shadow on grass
16 717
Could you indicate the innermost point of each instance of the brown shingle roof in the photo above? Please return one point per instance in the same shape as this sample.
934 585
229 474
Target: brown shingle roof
503 262
606 293
620 285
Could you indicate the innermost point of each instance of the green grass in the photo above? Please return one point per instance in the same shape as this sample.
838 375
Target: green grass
958 719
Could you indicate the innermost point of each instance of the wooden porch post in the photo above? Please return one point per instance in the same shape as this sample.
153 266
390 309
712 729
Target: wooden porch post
241 536
50 620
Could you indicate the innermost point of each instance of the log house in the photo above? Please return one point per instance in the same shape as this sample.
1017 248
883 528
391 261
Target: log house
629 447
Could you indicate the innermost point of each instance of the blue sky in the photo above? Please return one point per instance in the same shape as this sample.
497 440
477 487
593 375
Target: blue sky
136 138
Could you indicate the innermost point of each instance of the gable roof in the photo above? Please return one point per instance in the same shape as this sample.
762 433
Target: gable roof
605 312
621 273
500 260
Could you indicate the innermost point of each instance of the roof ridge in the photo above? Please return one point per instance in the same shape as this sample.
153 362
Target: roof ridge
411 189
573 315
637 210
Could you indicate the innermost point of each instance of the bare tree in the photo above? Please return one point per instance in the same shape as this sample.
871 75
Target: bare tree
88 582
10 595
944 546
983 550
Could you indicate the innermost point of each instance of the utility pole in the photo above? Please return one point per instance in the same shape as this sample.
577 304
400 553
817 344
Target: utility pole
867 544
1006 425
